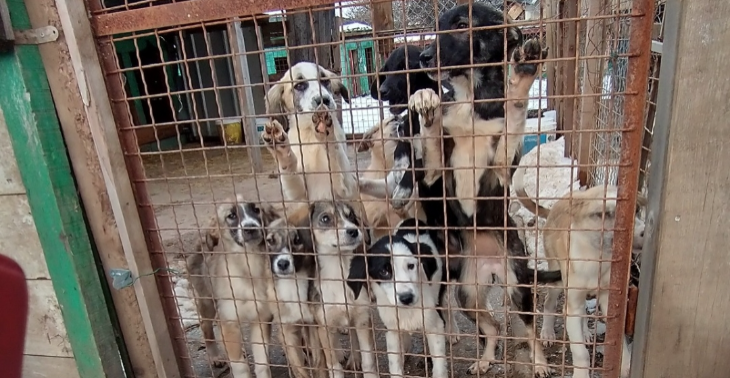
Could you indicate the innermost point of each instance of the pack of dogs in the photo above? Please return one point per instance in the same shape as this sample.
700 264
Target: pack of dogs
388 236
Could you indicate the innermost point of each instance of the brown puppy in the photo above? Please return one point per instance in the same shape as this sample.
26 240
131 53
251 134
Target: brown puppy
233 283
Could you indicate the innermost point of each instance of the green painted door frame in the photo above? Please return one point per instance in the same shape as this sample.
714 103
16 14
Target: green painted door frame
37 141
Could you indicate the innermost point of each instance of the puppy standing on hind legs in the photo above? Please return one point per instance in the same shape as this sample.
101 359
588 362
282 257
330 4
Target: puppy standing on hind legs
486 245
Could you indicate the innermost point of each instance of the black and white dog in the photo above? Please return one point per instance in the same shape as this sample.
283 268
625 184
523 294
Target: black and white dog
395 84
406 274
470 149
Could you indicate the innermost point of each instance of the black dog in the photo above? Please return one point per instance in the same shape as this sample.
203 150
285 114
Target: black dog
483 205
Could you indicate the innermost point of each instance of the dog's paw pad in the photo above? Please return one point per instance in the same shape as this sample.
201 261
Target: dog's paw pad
533 50
322 120
218 364
542 371
524 57
454 339
274 134
547 336
479 367
424 102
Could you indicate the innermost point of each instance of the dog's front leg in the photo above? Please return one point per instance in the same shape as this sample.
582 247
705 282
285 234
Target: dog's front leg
427 104
291 340
436 344
260 341
525 70
366 343
232 339
547 334
395 353
329 342
575 309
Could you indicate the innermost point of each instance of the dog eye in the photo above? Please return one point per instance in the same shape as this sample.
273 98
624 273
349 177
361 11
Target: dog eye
232 216
325 219
385 274
325 82
256 210
462 25
411 266
301 86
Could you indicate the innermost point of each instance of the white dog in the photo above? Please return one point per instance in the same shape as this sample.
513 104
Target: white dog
407 273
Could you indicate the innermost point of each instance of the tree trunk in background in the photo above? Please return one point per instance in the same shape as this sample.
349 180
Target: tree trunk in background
299 30
326 30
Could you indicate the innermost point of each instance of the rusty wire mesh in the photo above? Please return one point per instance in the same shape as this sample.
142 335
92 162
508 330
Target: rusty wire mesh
189 101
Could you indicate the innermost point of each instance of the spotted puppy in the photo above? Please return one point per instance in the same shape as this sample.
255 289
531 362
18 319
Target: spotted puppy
406 272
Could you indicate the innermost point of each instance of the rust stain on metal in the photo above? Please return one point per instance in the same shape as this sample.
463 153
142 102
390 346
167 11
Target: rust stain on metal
631 140
189 12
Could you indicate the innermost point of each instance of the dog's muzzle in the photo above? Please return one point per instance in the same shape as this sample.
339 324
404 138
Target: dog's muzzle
406 299
322 100
283 266
251 232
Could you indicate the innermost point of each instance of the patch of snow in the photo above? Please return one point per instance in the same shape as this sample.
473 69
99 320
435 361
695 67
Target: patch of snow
355 26
414 38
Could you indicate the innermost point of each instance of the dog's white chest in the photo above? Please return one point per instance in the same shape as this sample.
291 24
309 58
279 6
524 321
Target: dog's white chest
470 157
336 297
291 304
247 287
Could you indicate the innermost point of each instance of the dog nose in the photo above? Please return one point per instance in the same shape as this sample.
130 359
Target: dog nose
384 91
321 100
425 57
406 298
353 232
283 264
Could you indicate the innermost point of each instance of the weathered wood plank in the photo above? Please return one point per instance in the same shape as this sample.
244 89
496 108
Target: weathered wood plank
170 357
10 182
18 235
87 170
682 326
46 335
49 367
41 155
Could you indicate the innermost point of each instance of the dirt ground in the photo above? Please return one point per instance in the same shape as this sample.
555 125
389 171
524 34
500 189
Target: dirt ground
183 188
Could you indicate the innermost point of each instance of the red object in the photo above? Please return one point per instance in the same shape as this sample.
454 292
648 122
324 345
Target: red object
13 317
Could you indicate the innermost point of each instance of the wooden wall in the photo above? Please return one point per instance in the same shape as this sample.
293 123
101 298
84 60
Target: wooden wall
47 349
683 325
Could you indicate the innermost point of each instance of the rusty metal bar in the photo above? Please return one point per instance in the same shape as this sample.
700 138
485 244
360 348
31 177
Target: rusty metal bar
147 216
638 71
188 12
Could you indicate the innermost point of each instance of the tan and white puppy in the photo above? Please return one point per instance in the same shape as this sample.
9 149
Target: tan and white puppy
338 235
314 147
235 280
294 268
578 239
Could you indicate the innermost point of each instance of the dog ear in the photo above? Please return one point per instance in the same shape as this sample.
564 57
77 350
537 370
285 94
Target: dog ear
268 213
357 275
275 105
337 86
212 235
